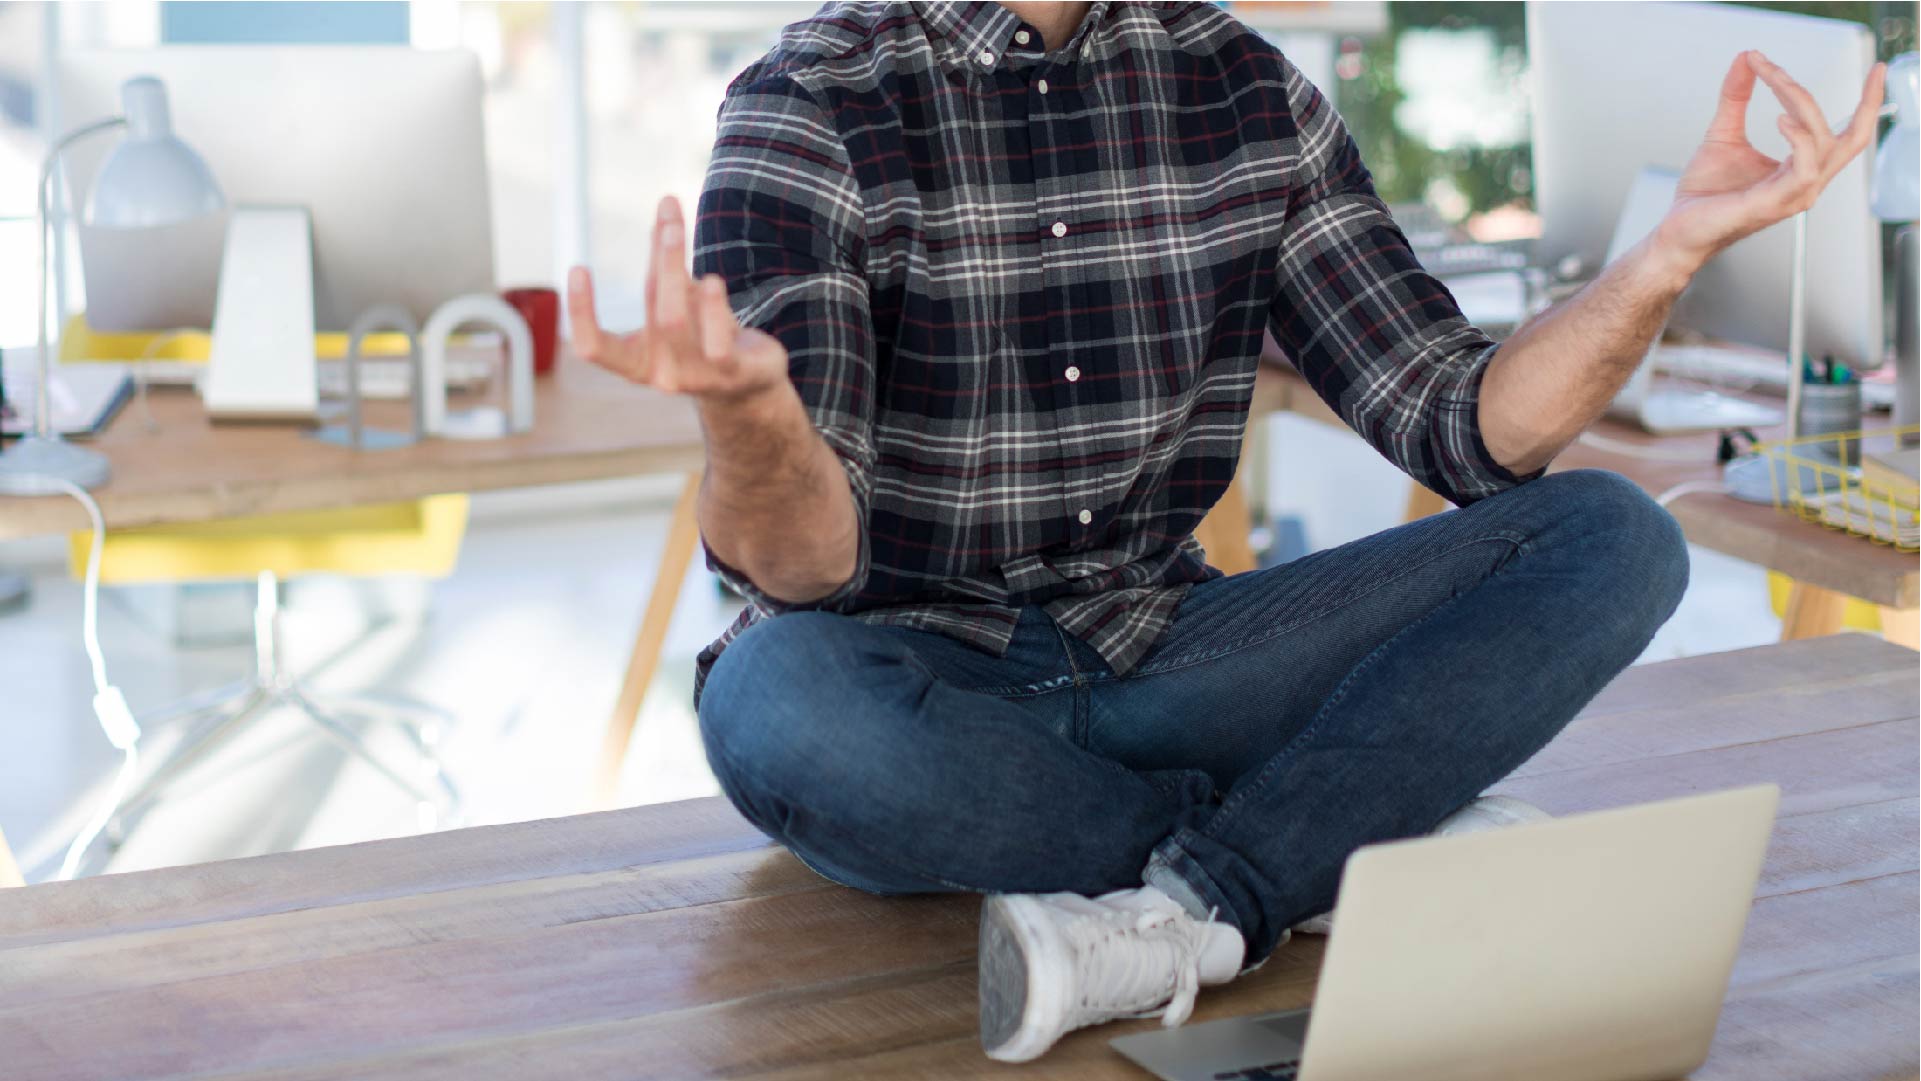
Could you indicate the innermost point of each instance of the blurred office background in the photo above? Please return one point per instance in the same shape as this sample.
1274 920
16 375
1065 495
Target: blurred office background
593 111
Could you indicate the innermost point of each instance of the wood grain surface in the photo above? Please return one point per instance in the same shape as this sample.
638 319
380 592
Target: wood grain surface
1827 558
588 425
674 941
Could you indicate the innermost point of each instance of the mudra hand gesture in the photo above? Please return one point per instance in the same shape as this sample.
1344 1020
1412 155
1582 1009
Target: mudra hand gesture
1730 190
691 343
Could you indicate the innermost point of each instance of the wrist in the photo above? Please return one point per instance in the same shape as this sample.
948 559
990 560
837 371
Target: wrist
754 406
746 402
1670 261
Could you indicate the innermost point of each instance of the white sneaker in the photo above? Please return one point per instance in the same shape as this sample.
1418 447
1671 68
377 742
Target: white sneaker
1054 962
1485 813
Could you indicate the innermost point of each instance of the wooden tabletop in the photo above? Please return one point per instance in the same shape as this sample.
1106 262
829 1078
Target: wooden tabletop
591 425
674 941
588 425
1828 558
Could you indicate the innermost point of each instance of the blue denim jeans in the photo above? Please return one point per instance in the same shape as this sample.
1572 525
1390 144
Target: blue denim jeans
1288 716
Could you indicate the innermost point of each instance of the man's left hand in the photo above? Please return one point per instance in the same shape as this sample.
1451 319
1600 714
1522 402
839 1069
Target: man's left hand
1730 190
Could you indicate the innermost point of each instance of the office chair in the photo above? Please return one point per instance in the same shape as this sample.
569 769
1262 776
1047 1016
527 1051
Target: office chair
411 537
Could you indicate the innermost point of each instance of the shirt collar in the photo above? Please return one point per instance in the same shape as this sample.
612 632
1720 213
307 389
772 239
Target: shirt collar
971 29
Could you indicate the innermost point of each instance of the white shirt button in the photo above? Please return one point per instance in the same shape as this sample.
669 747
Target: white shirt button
1042 87
987 60
1087 516
1022 37
1060 228
1073 375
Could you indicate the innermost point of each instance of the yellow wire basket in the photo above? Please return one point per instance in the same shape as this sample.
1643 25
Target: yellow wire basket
1851 481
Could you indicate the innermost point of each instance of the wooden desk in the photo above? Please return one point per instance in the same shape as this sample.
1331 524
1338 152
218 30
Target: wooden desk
1826 565
588 425
673 941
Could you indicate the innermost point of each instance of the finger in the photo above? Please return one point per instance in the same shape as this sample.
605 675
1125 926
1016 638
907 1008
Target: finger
717 326
667 322
584 323
674 304
1794 99
650 292
626 355
1730 121
1804 157
1860 130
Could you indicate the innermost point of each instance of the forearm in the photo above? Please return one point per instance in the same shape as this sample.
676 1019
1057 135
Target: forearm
1556 374
775 502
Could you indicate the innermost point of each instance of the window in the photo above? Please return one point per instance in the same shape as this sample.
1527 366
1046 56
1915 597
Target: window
655 75
21 149
1438 103
526 84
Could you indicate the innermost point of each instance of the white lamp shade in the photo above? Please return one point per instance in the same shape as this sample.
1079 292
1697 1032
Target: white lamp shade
150 178
1896 193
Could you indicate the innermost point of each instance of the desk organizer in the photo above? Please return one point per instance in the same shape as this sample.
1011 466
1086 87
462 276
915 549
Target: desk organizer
1813 481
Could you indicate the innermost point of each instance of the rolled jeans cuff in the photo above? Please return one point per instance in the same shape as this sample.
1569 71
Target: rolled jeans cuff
1174 872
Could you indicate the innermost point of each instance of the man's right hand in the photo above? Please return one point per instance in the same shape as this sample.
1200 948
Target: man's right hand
775 503
691 343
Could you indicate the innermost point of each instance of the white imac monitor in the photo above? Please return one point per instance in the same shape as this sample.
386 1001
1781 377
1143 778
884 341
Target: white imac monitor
379 149
1617 87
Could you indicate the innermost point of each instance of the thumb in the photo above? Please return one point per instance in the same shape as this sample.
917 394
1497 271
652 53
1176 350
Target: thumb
755 345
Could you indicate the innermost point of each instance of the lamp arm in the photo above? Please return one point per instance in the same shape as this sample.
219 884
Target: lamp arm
42 410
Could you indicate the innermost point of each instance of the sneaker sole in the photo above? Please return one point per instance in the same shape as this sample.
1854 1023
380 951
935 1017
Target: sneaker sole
1010 1028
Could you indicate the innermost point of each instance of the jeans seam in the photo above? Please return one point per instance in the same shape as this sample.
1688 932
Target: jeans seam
1241 793
853 842
1191 659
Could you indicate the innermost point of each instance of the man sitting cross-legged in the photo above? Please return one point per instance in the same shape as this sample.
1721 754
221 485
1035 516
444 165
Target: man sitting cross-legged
981 291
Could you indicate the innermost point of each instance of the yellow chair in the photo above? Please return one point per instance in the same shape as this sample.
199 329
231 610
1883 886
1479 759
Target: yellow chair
419 537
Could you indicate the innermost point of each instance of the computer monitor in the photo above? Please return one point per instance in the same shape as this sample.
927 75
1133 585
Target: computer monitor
383 146
372 157
1618 87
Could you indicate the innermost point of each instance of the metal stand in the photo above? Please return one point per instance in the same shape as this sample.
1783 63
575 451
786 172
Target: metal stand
1797 321
228 710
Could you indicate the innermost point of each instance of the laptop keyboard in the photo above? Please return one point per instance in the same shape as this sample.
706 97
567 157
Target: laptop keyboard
1273 1071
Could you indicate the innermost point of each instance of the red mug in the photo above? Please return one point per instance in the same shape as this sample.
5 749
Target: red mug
540 306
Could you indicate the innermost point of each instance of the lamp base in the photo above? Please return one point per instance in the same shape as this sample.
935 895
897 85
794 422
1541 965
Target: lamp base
25 466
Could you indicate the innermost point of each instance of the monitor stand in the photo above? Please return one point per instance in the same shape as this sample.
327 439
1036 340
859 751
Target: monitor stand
262 363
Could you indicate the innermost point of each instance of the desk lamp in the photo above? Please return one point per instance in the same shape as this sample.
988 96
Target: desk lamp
150 179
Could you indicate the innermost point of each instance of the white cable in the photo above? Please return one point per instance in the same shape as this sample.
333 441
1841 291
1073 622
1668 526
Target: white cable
1688 487
1637 450
109 705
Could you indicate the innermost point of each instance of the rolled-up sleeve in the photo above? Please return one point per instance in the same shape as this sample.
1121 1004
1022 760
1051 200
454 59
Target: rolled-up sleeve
782 221
1378 338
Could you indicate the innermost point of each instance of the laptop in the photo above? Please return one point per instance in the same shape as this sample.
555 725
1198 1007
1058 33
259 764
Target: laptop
84 397
1595 947
1669 410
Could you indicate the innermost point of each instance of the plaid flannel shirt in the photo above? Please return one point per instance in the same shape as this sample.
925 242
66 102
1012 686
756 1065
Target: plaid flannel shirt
1023 288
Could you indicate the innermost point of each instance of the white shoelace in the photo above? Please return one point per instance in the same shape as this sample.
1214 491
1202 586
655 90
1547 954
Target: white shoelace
1123 960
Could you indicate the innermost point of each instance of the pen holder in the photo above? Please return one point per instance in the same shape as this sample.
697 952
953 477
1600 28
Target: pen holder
1833 407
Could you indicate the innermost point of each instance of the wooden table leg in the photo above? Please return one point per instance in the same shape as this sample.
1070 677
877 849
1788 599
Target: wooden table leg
9 870
1812 612
1422 502
1227 529
1902 626
683 534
